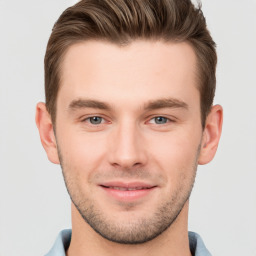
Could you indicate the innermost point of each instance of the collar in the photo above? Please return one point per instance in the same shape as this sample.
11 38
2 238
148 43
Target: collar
62 242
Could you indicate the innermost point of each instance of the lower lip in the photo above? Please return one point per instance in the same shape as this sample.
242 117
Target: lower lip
128 195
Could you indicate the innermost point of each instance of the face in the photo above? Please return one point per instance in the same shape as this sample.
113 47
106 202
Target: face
129 133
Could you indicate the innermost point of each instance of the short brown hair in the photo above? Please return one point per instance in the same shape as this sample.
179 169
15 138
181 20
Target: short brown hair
120 22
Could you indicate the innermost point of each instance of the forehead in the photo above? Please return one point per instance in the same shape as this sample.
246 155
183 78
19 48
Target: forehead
139 71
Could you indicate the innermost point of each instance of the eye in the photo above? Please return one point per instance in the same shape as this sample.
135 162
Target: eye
159 120
94 120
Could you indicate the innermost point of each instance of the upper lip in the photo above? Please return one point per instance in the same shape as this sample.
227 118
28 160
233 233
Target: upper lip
134 185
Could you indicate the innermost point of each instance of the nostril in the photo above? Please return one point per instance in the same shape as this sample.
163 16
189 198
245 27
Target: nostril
124 158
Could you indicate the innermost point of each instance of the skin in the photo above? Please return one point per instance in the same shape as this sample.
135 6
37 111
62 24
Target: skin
147 129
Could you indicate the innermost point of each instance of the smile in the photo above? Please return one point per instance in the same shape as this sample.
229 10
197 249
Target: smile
127 192
127 188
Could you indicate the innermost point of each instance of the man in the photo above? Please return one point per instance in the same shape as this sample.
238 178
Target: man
129 91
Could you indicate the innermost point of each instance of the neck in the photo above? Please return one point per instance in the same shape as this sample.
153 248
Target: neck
173 241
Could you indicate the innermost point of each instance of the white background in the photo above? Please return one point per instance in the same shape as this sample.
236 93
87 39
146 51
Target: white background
34 205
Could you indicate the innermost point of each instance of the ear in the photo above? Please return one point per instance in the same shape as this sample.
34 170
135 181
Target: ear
47 136
211 135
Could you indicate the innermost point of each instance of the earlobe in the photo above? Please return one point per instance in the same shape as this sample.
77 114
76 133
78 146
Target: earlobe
45 128
211 135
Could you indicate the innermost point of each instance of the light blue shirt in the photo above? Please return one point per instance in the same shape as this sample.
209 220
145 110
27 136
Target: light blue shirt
62 242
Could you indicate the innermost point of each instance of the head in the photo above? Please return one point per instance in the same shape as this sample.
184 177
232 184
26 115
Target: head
122 22
129 89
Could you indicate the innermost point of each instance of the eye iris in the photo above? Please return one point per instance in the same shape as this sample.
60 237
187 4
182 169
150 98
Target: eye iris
160 120
95 120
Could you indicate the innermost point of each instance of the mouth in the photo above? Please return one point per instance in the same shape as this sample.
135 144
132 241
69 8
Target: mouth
126 188
127 191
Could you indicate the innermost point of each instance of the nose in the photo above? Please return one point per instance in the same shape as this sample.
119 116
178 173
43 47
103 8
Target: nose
126 149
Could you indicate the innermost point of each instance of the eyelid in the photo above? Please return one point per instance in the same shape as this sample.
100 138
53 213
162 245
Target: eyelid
85 119
169 119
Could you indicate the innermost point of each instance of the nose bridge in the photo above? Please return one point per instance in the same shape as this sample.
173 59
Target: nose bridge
127 145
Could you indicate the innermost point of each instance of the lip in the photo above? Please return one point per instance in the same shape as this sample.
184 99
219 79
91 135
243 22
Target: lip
128 191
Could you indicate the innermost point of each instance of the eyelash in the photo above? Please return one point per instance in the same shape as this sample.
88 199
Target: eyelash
88 119
168 120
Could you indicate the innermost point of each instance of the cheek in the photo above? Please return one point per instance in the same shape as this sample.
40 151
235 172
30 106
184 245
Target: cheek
81 152
174 152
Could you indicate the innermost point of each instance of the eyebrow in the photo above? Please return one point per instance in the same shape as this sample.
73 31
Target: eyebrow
151 105
88 103
165 103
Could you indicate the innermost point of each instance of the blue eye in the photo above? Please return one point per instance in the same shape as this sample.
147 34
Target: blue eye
95 120
159 120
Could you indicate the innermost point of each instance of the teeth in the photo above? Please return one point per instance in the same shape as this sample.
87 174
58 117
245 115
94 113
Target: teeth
127 189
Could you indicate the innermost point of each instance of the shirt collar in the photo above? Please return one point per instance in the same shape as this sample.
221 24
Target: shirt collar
62 242
196 245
